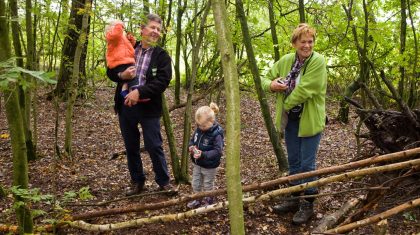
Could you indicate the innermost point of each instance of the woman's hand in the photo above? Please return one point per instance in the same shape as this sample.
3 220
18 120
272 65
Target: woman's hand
128 74
278 85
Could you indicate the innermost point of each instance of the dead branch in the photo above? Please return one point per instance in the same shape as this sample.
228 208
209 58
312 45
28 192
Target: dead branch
137 222
332 219
376 218
342 177
374 199
257 186
268 196
4 228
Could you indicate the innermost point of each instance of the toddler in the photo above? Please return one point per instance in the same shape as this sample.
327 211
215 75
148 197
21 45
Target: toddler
206 148
120 50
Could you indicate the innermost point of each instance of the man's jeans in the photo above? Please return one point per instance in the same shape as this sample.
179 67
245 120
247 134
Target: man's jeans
129 119
301 153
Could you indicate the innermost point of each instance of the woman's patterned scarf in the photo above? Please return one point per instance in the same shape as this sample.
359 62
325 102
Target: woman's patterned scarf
293 74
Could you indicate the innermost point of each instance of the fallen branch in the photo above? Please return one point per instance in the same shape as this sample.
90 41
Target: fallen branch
8 229
342 177
268 196
104 203
258 186
376 218
332 219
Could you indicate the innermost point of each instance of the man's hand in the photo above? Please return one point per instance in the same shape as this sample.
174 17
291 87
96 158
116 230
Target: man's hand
128 74
277 86
132 98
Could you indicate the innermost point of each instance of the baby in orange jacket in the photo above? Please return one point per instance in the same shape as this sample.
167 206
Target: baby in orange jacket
120 50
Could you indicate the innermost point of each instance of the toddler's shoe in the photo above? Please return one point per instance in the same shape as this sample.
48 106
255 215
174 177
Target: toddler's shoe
193 204
207 201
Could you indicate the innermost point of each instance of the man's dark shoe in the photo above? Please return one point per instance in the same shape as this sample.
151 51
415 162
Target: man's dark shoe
287 206
169 188
136 189
306 211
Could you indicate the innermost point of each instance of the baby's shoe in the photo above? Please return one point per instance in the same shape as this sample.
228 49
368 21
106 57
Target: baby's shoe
124 93
193 204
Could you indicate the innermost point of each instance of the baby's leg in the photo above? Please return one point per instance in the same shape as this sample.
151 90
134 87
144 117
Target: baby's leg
124 90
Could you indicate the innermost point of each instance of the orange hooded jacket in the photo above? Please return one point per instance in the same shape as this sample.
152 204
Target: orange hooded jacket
119 49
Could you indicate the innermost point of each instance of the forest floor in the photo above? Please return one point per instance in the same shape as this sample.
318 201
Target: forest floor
96 138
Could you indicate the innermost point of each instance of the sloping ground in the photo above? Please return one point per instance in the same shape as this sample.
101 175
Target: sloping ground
97 137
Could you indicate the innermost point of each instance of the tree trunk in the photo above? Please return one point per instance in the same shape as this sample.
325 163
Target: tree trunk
302 11
176 170
17 133
72 91
180 12
69 49
188 108
363 76
414 83
403 35
265 109
233 120
273 31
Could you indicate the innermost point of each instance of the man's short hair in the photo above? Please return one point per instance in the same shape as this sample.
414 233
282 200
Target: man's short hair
151 17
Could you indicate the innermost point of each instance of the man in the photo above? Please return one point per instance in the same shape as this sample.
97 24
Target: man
143 104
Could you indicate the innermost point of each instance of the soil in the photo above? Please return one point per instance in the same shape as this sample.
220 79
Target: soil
96 138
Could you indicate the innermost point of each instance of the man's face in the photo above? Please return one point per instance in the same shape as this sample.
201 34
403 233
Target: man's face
151 33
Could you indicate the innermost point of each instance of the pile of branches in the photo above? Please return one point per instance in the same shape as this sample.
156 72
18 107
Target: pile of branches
408 160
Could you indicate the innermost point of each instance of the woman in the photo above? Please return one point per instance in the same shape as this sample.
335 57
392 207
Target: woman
300 82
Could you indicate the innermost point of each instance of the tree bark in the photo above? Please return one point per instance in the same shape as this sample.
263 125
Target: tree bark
302 11
265 109
176 169
69 49
188 108
75 78
403 35
180 12
233 120
273 31
17 133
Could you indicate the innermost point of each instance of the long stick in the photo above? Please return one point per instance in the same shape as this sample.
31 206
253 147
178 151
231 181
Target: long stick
268 196
376 218
258 186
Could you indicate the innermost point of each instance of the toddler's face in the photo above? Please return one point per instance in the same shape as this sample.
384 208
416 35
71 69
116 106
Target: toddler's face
204 124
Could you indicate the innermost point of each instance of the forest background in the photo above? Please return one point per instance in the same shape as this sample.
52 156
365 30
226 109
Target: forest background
55 51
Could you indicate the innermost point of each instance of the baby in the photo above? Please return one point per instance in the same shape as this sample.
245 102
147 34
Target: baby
120 50
206 149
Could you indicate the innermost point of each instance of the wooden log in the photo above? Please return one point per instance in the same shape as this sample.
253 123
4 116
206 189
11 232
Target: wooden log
257 186
376 218
330 220
268 196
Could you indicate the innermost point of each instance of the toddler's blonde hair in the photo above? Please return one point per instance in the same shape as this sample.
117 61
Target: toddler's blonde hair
207 112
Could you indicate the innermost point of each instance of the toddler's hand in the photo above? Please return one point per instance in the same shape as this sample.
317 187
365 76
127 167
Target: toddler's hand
191 149
197 154
131 38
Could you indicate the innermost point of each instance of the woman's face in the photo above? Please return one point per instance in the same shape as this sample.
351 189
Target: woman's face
304 46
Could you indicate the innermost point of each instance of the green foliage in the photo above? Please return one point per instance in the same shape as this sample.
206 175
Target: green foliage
31 195
82 194
410 216
13 74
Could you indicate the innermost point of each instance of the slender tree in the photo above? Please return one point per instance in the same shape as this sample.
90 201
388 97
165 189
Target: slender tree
233 122
403 38
15 121
188 108
265 109
182 4
75 78
302 11
273 30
